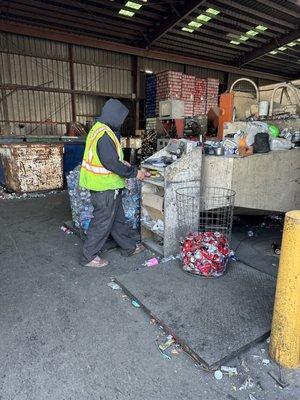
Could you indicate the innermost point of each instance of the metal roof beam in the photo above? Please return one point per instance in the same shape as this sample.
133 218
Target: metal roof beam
173 39
207 37
280 8
36 7
253 12
245 17
172 20
274 44
168 44
83 40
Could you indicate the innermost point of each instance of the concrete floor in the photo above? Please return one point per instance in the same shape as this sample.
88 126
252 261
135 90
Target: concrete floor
66 335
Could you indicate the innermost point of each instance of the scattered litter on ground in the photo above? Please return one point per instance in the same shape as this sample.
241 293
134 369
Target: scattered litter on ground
218 375
280 379
125 297
170 258
234 388
268 340
248 384
276 249
166 356
263 350
167 344
251 397
245 366
135 304
250 233
176 351
24 196
114 285
152 321
66 230
230 370
266 361
151 262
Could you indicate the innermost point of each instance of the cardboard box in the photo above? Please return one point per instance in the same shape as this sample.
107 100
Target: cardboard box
153 201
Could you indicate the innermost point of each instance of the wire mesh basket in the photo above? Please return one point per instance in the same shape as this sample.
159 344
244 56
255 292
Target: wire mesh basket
205 223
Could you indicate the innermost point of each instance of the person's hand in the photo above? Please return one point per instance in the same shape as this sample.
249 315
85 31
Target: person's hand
140 175
127 163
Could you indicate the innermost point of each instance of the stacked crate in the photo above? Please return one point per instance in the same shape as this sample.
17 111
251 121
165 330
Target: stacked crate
168 86
212 93
188 93
150 96
200 96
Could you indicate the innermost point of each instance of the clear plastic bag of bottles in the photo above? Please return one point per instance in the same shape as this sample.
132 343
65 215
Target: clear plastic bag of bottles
132 202
80 200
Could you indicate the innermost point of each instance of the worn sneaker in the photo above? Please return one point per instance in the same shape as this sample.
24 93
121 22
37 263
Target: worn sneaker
97 262
139 248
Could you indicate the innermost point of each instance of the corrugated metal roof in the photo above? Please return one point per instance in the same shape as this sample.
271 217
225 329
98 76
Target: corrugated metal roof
210 41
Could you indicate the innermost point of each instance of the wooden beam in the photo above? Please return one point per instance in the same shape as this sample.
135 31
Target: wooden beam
81 40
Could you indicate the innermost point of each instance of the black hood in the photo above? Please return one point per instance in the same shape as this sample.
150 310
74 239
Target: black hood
113 114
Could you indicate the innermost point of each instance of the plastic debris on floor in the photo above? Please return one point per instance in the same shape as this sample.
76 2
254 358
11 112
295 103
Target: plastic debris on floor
4 195
66 230
247 384
114 285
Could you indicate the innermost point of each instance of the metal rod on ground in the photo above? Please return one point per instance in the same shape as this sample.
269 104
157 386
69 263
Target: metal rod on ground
285 334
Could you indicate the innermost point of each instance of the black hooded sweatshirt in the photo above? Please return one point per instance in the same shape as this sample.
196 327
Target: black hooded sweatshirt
113 114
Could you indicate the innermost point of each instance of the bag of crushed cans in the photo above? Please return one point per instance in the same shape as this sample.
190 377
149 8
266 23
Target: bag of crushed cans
205 254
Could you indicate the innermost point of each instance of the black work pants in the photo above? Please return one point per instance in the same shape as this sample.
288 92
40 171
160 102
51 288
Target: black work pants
108 219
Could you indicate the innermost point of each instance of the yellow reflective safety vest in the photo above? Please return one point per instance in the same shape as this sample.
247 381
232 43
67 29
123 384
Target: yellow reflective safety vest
93 175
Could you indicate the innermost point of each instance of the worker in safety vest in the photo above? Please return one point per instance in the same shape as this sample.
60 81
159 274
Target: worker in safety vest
103 172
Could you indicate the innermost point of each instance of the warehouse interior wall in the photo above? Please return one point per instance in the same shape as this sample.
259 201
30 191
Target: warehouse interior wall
44 84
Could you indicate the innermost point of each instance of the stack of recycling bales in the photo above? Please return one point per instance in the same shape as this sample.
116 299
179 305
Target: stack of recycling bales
212 93
188 93
169 85
200 96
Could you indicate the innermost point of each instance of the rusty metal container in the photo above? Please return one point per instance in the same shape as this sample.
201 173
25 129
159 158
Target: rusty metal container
32 167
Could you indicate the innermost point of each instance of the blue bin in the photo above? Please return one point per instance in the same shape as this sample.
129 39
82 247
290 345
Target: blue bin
2 177
73 155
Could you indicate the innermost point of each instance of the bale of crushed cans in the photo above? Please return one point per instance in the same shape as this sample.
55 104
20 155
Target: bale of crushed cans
205 254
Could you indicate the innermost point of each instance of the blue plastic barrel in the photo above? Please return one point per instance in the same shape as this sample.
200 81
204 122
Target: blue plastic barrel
73 155
2 177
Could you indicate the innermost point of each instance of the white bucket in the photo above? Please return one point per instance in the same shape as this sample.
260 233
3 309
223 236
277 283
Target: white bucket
263 108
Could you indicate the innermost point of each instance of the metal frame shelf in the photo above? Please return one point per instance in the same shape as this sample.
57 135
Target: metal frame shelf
182 172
